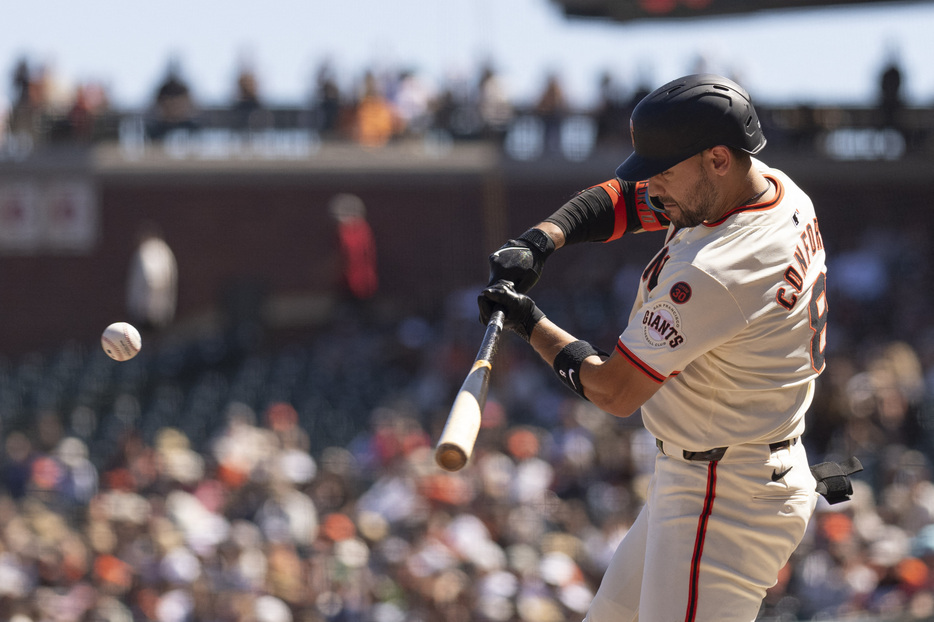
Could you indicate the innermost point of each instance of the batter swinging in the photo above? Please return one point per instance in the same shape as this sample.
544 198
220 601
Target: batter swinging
723 345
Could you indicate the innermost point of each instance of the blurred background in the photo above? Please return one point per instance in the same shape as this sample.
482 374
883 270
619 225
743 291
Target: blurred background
294 204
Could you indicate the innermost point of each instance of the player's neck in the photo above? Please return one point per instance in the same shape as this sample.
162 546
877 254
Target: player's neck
754 188
760 195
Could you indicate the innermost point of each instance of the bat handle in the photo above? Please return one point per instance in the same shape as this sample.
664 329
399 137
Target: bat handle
491 337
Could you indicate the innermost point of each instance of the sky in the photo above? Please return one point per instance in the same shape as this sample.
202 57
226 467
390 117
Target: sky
831 55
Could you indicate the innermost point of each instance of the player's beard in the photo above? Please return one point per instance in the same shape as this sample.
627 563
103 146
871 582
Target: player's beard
704 200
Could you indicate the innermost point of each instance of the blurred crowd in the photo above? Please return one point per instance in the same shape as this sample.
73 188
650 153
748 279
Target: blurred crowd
211 479
385 105
378 107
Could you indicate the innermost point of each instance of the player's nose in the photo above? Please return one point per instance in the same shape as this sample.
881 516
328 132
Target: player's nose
656 187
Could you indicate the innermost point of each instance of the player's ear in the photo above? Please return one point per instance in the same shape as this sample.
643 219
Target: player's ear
719 159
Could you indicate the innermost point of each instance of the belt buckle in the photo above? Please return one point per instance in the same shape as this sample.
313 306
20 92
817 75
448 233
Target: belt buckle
711 455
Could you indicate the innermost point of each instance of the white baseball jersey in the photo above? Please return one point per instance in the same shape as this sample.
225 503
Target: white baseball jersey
731 317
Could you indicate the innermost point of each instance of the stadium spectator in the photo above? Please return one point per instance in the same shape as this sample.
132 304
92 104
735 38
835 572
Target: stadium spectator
494 102
152 281
29 101
552 107
375 122
411 100
611 113
890 93
4 119
90 102
445 109
249 111
326 103
358 267
173 105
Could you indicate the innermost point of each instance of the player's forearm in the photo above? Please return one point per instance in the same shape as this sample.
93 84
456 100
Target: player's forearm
548 339
608 382
552 231
615 386
588 217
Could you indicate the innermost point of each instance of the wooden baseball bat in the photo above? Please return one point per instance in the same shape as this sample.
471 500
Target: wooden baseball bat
463 424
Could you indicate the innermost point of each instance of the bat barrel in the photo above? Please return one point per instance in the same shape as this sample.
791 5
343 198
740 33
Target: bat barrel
463 424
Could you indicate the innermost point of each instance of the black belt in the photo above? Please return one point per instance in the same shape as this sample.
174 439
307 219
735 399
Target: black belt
713 455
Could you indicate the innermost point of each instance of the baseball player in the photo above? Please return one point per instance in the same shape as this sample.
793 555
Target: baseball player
721 351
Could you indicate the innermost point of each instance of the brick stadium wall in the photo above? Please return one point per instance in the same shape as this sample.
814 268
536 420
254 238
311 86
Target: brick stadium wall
236 236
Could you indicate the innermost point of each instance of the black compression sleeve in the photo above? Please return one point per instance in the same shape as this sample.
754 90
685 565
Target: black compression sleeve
588 217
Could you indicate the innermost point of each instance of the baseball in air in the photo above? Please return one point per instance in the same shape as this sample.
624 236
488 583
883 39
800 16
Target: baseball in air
121 341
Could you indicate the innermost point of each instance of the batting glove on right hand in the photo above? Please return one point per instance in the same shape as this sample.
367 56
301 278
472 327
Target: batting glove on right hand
521 312
521 260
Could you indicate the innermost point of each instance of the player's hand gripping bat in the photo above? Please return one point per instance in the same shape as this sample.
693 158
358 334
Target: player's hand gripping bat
460 432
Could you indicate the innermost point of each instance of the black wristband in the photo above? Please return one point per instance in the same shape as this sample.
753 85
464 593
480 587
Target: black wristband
527 324
568 363
540 241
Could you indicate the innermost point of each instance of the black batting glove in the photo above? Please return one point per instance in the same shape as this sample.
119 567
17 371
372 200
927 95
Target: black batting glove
521 260
521 312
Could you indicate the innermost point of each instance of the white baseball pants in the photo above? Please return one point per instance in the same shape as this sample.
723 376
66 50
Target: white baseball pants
711 538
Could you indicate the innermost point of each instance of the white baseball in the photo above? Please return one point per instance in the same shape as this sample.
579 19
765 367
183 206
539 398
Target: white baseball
121 341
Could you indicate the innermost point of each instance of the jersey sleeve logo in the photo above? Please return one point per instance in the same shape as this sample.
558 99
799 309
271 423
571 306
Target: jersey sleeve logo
680 293
661 326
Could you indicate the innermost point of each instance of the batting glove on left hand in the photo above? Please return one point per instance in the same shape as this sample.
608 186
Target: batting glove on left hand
521 312
521 260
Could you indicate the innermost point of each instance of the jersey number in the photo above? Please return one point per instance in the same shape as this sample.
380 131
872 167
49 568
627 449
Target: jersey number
817 310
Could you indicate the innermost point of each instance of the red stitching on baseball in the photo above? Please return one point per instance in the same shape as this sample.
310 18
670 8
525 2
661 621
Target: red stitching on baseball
126 333
113 347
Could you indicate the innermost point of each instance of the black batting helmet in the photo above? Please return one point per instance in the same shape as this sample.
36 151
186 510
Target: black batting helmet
686 116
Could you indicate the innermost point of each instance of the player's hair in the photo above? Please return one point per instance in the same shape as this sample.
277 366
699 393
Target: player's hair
742 157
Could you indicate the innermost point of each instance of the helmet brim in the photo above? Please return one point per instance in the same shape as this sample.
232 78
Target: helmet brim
638 168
